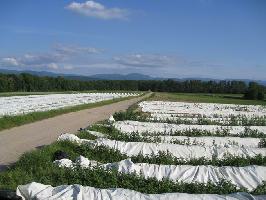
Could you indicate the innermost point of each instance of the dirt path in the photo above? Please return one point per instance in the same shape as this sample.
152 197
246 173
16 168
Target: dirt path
15 141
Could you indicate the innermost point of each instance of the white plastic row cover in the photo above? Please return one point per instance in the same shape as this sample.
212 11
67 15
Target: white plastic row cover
39 191
249 177
16 105
129 126
179 151
203 140
203 109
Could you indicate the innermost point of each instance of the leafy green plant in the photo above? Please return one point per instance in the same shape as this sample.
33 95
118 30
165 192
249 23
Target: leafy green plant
167 158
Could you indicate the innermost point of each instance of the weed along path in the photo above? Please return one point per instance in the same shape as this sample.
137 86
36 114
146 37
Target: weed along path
15 141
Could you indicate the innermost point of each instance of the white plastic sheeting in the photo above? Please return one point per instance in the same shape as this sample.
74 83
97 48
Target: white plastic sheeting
72 138
249 177
166 129
203 109
16 105
111 119
39 191
203 140
179 151
191 120
185 140
96 134
80 161
211 141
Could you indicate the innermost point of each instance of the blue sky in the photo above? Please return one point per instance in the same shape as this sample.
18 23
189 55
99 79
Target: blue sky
165 38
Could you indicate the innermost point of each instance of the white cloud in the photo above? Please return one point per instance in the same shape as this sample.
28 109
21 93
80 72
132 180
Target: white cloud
146 60
68 67
9 61
97 10
52 66
50 60
41 59
71 49
35 60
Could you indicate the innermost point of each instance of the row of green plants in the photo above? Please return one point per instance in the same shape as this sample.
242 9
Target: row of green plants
165 158
38 166
224 132
115 134
232 120
188 141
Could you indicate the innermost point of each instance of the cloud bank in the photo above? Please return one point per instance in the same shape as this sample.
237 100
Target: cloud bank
50 60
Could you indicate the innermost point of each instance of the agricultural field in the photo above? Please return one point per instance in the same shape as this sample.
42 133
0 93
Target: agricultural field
133 100
18 108
148 152
18 105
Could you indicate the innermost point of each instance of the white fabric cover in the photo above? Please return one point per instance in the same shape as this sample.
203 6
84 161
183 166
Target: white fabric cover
166 129
206 109
95 133
211 141
167 116
179 151
17 105
39 191
203 140
249 177
111 119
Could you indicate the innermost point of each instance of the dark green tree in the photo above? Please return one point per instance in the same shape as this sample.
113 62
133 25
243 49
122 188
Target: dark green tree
254 91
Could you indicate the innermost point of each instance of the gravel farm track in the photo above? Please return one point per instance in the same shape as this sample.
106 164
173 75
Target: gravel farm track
18 140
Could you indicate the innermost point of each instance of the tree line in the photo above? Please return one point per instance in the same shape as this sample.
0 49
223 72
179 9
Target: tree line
31 83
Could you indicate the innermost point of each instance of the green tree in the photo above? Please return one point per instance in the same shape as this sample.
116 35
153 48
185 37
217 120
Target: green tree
254 91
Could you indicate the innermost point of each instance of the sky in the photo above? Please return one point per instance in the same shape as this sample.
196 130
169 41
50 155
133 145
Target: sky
162 38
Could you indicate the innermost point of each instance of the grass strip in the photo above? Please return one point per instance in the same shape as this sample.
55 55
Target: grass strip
205 98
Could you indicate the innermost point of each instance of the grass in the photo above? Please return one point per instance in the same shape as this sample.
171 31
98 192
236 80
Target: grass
206 98
37 166
7 122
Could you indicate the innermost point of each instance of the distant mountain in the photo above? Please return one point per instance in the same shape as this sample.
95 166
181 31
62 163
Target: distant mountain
37 73
45 73
132 76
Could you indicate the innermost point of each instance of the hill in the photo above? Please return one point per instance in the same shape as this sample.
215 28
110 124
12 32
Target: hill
132 76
